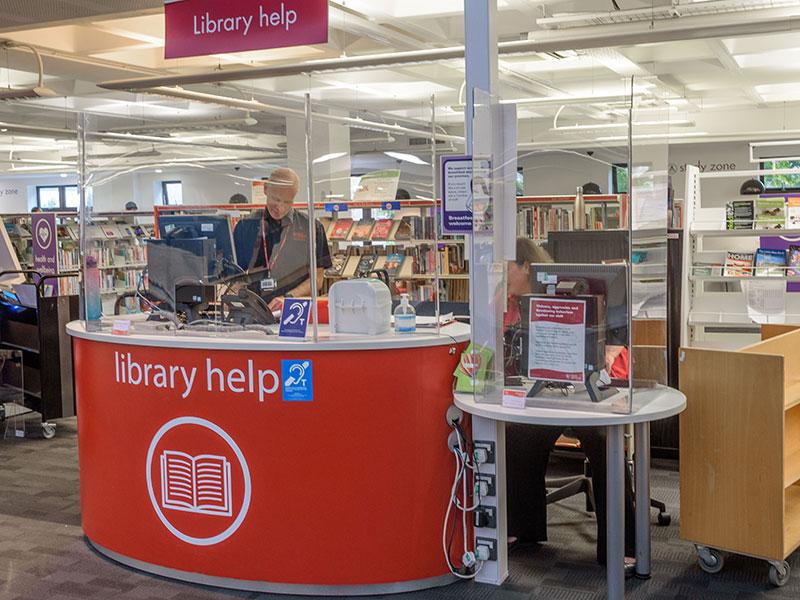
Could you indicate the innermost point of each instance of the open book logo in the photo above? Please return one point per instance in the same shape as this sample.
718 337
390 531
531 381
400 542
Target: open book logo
198 481
196 484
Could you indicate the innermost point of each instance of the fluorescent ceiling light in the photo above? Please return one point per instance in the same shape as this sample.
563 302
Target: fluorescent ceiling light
621 138
675 123
406 157
327 157
411 8
570 99
159 170
64 175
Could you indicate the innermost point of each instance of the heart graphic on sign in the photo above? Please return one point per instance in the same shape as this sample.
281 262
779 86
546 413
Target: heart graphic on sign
44 235
470 363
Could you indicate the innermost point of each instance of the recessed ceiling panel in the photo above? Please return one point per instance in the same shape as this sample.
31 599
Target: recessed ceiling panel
16 14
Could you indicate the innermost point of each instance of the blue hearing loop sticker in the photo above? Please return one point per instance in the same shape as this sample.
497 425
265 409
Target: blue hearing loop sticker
298 380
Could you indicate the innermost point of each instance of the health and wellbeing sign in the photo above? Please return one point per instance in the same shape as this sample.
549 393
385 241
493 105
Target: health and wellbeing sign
456 194
45 243
202 27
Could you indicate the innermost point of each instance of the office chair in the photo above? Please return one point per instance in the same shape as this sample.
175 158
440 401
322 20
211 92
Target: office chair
567 487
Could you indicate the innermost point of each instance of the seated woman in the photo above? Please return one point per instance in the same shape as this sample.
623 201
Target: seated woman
528 446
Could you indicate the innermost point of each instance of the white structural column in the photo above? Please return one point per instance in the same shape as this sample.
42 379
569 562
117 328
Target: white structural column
481 73
332 175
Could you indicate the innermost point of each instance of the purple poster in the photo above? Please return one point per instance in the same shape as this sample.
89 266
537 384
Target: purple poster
456 194
45 244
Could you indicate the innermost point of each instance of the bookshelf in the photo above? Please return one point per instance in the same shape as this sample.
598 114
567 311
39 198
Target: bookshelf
116 239
539 215
714 305
404 244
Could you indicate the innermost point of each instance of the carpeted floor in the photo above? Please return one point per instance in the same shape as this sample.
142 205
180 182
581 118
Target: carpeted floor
43 553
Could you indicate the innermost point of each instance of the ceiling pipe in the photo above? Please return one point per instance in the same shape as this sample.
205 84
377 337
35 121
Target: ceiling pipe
71 134
687 28
255 105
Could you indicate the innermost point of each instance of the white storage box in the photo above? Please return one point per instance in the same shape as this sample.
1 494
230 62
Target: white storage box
360 306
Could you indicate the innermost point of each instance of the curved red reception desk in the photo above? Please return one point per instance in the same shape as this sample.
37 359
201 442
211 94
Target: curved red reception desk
266 465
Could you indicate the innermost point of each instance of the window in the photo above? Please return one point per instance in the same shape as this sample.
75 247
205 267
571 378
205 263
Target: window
619 178
520 182
781 183
57 197
171 193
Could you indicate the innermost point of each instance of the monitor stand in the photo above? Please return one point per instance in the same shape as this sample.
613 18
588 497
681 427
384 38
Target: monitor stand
596 394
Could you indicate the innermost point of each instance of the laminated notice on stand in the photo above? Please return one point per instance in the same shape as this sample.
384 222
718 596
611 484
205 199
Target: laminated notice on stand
766 300
557 341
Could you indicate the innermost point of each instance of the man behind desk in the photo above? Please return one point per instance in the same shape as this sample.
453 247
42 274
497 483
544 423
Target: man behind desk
275 240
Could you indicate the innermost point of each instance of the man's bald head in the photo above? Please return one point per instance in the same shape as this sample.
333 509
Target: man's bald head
281 189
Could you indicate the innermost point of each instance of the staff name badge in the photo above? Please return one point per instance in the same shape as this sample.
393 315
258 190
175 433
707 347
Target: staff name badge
294 318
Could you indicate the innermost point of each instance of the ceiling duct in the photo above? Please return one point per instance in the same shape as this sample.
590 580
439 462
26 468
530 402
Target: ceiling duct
691 26
671 10
40 91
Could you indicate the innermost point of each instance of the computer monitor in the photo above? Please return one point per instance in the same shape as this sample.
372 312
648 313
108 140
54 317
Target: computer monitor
212 227
177 268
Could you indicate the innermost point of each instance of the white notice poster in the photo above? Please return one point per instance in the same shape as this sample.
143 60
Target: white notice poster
557 341
766 300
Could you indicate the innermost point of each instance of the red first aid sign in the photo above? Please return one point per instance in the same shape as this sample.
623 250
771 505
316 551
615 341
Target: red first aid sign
202 27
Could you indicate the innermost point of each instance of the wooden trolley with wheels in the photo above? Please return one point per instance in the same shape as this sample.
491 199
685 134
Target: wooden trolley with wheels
740 452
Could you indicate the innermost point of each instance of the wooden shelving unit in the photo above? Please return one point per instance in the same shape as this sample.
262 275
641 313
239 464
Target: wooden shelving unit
740 450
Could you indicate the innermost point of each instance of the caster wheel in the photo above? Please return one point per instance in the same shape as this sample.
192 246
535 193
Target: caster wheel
779 574
664 519
710 560
48 431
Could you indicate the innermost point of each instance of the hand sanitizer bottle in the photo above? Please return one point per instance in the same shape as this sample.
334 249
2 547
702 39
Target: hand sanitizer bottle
405 317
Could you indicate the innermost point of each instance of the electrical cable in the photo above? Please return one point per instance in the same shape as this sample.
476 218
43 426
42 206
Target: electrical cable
463 467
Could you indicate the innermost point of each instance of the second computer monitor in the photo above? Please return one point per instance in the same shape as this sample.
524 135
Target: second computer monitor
213 227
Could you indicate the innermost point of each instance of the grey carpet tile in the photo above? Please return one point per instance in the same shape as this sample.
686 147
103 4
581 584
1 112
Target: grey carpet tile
43 553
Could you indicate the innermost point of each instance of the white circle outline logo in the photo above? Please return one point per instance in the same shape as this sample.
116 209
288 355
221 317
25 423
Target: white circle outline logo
195 541
44 224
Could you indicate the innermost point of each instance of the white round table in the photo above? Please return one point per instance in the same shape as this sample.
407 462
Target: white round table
651 404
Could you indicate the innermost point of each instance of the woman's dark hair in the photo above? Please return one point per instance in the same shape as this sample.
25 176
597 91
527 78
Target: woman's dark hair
131 206
238 199
529 252
402 194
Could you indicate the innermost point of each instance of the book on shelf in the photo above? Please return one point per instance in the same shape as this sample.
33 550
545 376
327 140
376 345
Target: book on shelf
770 263
793 212
418 228
382 229
708 269
365 265
338 261
341 229
770 213
739 264
393 263
361 230
403 229
739 214
793 261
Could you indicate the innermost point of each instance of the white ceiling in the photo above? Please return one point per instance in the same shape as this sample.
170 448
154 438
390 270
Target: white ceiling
720 87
